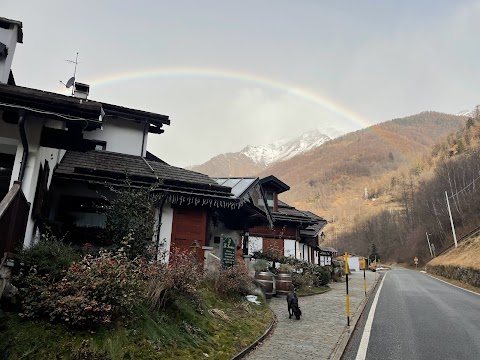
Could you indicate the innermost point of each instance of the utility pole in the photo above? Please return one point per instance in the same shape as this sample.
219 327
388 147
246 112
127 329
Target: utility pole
429 246
451 220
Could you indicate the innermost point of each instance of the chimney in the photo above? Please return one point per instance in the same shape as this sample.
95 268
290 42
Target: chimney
81 90
10 34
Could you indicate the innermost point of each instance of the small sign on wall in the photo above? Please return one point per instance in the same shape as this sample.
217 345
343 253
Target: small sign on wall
228 247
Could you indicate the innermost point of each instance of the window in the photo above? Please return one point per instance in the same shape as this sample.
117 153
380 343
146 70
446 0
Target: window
270 199
81 212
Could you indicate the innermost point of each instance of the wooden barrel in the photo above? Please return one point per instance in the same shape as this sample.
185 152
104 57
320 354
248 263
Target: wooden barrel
284 284
266 278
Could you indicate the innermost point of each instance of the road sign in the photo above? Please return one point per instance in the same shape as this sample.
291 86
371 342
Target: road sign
415 260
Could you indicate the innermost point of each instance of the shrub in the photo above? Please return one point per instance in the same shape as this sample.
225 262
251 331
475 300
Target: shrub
302 280
260 265
307 274
130 212
93 291
234 280
181 277
49 256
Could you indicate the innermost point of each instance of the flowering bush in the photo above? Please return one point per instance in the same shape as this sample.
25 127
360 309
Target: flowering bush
234 280
181 277
94 290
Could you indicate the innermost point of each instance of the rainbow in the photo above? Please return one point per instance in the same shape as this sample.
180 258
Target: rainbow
225 74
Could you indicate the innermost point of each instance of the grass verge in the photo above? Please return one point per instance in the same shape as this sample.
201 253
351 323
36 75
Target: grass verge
223 328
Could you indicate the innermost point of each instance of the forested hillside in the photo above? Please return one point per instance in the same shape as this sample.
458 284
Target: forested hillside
418 202
365 182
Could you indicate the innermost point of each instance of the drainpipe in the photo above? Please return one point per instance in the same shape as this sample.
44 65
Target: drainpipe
23 137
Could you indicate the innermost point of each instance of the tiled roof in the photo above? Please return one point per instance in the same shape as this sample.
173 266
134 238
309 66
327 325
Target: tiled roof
108 166
329 249
289 213
65 108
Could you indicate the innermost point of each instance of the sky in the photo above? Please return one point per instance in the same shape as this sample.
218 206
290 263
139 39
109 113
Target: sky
237 73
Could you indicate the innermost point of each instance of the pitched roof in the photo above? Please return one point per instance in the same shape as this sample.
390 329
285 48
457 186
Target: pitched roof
249 192
276 183
289 213
70 108
114 168
313 230
61 107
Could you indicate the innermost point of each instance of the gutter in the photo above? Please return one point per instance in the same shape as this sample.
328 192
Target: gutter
23 137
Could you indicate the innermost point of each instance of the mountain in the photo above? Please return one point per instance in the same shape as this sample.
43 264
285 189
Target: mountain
253 159
469 113
338 171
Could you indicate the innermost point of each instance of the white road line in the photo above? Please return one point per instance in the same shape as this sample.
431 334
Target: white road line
362 349
470 291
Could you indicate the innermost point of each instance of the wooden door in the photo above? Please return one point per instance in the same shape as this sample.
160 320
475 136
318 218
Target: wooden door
275 245
189 225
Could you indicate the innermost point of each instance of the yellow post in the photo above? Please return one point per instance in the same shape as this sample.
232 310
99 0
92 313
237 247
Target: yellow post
347 296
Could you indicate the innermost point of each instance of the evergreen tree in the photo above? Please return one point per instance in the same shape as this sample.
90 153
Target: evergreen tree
373 253
390 157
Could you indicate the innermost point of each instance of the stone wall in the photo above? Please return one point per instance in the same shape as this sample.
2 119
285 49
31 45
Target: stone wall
466 275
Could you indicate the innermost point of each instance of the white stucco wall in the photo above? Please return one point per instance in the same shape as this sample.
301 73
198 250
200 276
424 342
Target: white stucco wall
122 136
37 156
289 247
255 243
221 231
166 229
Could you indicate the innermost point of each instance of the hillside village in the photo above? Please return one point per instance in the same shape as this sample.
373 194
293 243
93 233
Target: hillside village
103 242
78 170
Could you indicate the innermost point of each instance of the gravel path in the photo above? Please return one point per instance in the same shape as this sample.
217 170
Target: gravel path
323 322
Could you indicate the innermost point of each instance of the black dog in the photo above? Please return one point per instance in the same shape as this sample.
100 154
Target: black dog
293 308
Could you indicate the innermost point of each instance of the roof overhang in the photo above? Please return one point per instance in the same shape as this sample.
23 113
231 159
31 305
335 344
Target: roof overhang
7 22
51 105
276 183
155 121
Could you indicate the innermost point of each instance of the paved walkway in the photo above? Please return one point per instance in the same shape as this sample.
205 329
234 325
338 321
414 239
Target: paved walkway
323 322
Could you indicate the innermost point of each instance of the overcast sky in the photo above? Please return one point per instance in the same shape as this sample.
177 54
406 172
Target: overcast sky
237 73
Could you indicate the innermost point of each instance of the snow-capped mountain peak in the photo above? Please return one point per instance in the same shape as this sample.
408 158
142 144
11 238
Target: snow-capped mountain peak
465 113
285 148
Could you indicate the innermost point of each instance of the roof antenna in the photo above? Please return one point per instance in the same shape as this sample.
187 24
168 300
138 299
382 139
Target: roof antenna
71 81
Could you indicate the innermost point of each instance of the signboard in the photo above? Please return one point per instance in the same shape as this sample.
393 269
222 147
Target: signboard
415 260
228 247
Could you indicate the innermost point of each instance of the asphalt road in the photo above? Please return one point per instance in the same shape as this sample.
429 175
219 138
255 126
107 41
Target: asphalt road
419 317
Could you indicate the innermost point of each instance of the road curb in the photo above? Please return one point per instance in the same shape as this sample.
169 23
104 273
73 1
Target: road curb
252 346
347 333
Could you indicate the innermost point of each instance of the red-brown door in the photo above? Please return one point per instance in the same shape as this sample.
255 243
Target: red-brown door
189 225
275 245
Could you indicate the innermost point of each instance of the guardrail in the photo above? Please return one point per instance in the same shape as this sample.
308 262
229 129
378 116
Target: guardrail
467 236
